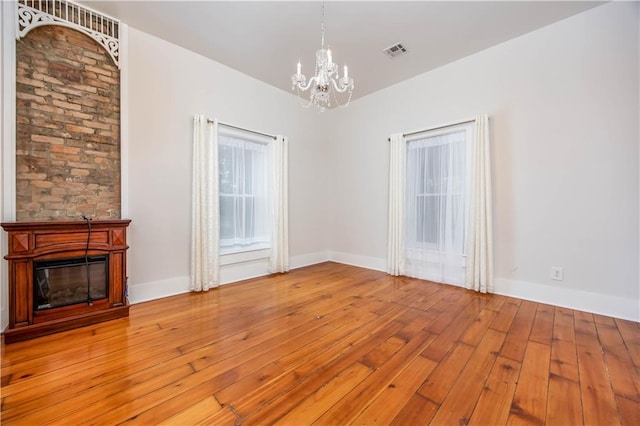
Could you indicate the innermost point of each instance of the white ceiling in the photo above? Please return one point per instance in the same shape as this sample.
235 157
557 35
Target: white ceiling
266 39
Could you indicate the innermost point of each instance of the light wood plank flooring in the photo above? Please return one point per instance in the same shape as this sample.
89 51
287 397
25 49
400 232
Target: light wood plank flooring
331 344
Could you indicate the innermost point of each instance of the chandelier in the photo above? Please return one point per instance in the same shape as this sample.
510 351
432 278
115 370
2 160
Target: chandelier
326 82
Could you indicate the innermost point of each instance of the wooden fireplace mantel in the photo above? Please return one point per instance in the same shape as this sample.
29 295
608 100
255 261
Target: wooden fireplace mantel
36 241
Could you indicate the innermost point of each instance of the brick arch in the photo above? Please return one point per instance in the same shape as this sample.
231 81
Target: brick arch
67 127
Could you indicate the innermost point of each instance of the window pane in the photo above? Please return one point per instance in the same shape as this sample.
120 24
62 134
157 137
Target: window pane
457 214
427 212
249 218
226 218
248 172
225 159
433 172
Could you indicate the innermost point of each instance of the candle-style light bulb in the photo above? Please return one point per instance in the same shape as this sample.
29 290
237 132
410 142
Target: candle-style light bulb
346 73
299 68
329 59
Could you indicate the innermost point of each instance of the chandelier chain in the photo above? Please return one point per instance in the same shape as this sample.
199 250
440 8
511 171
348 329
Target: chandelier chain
322 26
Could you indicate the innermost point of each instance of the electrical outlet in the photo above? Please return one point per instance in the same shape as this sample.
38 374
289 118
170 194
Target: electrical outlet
557 273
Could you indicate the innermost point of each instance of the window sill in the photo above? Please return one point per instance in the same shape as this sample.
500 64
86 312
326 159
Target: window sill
240 255
430 251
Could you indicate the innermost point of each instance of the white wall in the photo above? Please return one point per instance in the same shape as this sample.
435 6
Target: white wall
167 86
7 147
564 113
564 109
4 313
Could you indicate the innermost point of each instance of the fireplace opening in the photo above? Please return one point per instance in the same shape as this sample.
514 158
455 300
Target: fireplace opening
64 282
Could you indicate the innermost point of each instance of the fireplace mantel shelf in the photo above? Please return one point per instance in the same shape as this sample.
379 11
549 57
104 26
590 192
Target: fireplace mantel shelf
30 242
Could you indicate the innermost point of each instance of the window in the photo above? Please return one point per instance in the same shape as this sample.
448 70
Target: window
244 192
437 165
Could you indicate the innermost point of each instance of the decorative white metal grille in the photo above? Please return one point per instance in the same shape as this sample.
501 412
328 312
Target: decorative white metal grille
103 29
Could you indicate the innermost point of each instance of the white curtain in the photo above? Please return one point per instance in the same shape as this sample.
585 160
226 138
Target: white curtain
279 258
479 244
205 214
436 175
395 252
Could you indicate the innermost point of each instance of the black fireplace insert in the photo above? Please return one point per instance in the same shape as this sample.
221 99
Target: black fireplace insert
63 282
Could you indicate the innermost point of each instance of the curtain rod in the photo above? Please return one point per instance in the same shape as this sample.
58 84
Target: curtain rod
210 121
404 135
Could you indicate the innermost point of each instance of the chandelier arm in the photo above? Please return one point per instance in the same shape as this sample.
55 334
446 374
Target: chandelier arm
312 81
337 87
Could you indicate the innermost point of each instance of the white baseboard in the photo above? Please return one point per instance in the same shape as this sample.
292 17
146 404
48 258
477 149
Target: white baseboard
228 274
597 303
158 289
374 263
243 271
308 259
258 268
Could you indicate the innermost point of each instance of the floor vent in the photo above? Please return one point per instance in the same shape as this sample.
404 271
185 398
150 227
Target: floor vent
395 50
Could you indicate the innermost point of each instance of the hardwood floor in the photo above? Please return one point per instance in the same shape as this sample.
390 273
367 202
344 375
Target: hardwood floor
331 344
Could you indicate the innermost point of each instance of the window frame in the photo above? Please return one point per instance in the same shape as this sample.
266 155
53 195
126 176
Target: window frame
260 249
413 245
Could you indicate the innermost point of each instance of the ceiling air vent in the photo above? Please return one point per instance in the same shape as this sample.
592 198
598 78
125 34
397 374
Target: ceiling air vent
395 50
